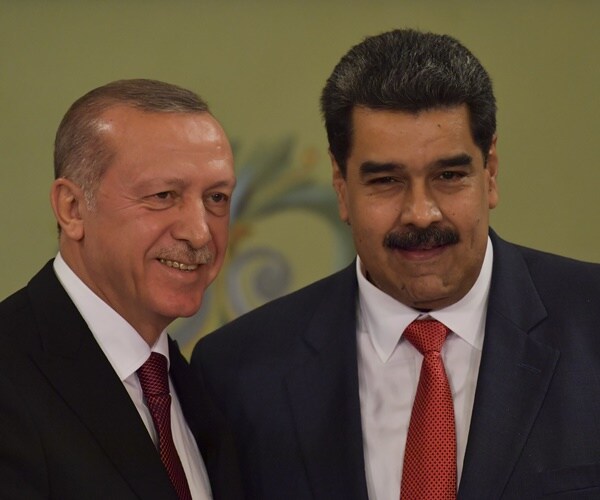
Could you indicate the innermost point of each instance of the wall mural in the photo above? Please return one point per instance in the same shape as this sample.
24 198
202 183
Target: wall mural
274 191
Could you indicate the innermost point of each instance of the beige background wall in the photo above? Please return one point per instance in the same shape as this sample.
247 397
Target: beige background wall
261 65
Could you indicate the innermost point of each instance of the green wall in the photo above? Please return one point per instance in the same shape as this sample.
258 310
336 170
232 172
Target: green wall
261 65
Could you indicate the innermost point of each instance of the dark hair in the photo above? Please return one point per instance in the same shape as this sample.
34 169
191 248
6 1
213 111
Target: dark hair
80 152
410 71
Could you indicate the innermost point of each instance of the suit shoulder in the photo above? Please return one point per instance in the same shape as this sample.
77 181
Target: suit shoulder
13 303
566 286
543 266
287 315
304 300
15 312
562 269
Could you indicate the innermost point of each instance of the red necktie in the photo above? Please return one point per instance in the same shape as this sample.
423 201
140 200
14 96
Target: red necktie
154 378
429 471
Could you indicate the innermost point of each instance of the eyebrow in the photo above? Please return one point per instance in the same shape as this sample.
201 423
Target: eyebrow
180 183
162 183
459 160
372 167
228 183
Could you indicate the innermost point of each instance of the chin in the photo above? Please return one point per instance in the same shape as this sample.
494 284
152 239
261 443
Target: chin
181 307
429 304
422 298
186 312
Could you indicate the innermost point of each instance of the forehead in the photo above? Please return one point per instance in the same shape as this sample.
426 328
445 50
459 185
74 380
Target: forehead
151 144
134 132
126 124
364 117
377 131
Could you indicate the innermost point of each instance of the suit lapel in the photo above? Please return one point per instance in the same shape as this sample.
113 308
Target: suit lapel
514 377
76 367
187 392
202 418
207 423
323 392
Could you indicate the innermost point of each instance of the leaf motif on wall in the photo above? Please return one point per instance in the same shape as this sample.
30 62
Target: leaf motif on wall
269 183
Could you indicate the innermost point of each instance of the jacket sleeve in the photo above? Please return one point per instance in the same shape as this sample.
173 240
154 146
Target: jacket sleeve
23 471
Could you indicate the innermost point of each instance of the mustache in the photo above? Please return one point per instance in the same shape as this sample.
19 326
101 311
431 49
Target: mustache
417 238
187 254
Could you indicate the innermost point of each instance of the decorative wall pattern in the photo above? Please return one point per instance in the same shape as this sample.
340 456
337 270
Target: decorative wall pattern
258 268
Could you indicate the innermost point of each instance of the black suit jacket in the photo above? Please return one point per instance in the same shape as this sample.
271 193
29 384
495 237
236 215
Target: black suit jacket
68 428
286 377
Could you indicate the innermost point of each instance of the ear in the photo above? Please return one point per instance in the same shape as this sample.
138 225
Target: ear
68 204
340 187
492 168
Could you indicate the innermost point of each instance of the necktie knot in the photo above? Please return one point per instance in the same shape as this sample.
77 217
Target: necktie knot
426 335
154 375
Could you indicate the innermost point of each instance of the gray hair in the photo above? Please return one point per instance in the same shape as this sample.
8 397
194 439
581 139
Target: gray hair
81 154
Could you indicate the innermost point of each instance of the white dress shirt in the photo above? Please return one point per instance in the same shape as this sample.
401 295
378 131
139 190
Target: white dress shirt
389 369
126 352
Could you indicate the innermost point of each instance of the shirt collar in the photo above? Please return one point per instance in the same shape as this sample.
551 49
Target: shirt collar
384 318
120 342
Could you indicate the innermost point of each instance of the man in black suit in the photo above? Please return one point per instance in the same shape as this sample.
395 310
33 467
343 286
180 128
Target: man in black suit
144 175
319 385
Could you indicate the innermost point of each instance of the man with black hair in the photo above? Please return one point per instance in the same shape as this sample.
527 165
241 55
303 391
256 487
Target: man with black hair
444 362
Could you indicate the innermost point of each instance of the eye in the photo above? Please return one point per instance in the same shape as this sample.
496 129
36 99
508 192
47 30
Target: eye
219 198
161 200
217 203
382 180
163 195
451 175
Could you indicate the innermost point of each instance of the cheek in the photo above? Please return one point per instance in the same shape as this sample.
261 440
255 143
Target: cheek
151 230
218 245
371 218
466 212
369 231
380 218
219 230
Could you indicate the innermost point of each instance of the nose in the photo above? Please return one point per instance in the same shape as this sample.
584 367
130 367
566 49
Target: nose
191 224
419 208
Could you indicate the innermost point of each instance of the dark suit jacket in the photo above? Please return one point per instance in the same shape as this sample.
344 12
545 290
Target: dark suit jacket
286 377
68 428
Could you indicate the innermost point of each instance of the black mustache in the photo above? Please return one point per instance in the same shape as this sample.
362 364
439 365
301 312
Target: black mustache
420 238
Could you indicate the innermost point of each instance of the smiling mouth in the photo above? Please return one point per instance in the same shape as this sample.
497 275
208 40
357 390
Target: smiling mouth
178 265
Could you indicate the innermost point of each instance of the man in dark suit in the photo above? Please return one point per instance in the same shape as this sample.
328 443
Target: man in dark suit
319 385
96 400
